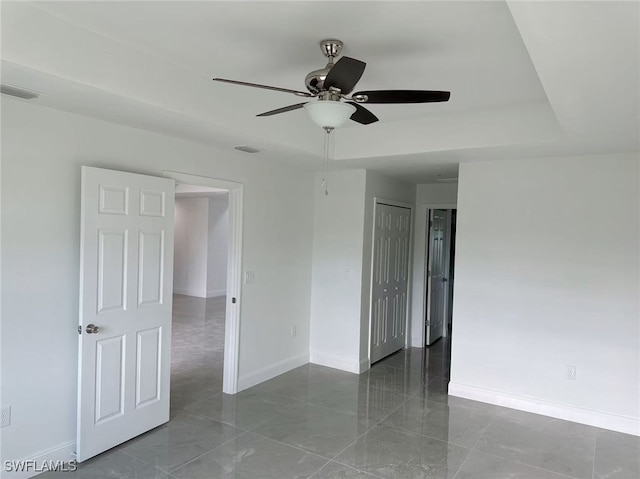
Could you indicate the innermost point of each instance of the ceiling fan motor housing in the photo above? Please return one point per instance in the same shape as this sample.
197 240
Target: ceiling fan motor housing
314 81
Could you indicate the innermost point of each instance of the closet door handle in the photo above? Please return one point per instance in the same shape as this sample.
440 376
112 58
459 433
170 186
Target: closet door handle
92 329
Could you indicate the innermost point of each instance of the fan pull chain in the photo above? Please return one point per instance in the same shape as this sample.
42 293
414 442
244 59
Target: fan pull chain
328 150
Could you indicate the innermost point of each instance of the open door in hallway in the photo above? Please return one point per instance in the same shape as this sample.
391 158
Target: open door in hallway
437 275
390 280
125 307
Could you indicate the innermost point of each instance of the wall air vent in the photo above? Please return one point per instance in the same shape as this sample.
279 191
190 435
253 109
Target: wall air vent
18 92
246 149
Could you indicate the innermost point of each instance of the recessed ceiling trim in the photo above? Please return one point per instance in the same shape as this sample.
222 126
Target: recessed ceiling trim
18 92
246 149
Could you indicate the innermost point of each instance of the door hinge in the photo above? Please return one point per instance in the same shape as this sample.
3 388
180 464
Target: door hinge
233 300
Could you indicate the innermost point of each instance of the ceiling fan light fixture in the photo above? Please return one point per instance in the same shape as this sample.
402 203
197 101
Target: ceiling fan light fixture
329 114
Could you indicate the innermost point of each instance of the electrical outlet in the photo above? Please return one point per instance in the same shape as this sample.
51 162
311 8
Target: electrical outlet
570 372
5 416
294 331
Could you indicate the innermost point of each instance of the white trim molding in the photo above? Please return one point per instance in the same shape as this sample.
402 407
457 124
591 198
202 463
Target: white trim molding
200 293
264 374
343 364
365 365
196 293
214 293
234 272
614 422
64 452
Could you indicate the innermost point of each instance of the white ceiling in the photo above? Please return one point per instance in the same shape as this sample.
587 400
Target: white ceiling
527 78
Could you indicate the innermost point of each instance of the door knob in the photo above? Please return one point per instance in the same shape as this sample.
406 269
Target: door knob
92 329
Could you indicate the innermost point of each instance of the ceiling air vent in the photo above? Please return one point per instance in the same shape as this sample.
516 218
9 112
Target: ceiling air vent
18 92
246 149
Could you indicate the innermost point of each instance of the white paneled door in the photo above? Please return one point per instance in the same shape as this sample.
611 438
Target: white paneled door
390 280
437 275
126 282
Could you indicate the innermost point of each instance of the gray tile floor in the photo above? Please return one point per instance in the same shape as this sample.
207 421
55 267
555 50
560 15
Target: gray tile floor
394 421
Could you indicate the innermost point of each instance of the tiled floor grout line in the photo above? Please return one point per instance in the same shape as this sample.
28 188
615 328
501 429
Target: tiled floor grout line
524 463
331 461
493 417
516 461
171 471
293 447
462 464
409 397
366 432
242 433
595 450
474 448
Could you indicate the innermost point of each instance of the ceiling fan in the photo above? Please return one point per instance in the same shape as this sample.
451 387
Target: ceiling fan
332 86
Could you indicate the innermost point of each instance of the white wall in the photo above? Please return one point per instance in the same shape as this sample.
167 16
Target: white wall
218 245
338 229
340 298
42 152
547 275
191 246
427 196
200 251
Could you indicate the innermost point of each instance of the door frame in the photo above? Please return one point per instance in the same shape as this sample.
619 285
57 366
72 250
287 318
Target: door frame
421 234
234 271
407 332
428 267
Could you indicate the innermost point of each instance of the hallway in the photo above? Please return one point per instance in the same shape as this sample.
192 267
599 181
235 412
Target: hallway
197 349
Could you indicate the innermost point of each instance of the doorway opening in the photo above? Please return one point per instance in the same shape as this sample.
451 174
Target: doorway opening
220 314
199 294
438 293
439 268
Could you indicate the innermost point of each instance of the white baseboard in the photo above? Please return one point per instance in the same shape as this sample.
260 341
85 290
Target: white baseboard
214 293
264 374
614 422
365 364
417 342
198 293
64 452
343 364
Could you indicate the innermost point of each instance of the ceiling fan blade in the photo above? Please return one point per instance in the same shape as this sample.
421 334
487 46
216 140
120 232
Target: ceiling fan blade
403 96
284 109
265 87
362 115
344 75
